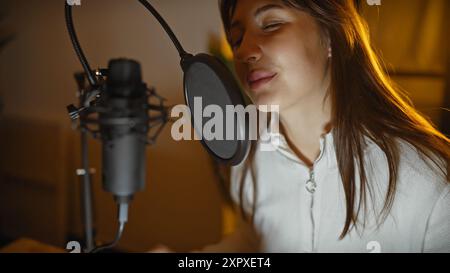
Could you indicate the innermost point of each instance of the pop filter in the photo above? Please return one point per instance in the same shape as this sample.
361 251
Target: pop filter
206 77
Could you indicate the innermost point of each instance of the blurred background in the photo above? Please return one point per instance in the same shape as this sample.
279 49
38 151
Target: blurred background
183 205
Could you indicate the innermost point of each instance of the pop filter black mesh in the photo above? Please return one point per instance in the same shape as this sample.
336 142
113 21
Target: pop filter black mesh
207 78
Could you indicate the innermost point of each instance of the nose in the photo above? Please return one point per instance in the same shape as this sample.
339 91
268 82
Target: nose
249 51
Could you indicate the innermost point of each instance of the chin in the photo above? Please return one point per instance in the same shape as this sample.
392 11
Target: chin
265 102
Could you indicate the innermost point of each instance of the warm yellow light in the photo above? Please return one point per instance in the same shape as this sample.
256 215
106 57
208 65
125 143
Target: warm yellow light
225 48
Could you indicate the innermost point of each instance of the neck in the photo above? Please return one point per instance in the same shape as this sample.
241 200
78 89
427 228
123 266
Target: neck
304 123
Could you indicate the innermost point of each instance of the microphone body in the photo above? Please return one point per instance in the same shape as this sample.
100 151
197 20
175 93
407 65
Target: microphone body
123 123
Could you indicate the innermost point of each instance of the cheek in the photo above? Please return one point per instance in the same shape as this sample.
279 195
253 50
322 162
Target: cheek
240 72
295 50
300 58
292 61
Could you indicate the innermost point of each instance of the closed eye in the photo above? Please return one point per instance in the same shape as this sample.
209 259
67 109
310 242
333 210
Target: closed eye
236 43
267 28
272 26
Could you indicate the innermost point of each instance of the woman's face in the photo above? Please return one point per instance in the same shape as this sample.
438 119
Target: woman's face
280 53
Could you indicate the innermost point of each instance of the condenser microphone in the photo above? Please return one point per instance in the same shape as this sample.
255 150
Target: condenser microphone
123 123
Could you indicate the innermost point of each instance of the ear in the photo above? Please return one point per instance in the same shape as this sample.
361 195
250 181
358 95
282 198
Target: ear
326 41
327 38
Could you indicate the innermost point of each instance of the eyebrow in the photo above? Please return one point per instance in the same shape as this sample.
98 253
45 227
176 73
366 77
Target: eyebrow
258 12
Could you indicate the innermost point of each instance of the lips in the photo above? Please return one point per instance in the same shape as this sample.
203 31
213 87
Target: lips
257 78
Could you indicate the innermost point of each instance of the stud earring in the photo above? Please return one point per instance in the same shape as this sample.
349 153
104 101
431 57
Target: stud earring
330 54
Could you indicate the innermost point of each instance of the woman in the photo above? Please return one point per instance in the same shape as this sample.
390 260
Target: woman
358 168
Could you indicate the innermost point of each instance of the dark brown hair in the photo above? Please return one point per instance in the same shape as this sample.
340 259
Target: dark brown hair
365 103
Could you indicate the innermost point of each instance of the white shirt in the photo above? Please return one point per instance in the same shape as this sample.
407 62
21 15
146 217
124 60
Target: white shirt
290 218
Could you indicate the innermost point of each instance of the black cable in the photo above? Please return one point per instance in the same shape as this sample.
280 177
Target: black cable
166 27
113 243
76 45
123 218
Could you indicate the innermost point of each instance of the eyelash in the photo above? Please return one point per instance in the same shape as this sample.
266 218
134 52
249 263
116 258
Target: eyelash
271 25
265 28
236 44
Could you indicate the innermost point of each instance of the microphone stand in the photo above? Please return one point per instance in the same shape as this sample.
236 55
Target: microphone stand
86 185
86 191
85 171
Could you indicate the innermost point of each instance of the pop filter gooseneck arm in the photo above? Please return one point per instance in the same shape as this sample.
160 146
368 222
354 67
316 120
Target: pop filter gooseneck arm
79 51
76 46
166 27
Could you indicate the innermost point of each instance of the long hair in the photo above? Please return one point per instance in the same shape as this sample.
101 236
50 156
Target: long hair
365 104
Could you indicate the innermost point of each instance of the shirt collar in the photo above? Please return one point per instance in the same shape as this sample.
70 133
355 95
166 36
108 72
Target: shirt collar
279 144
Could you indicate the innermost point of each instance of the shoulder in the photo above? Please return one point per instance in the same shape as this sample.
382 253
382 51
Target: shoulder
241 183
417 167
418 176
